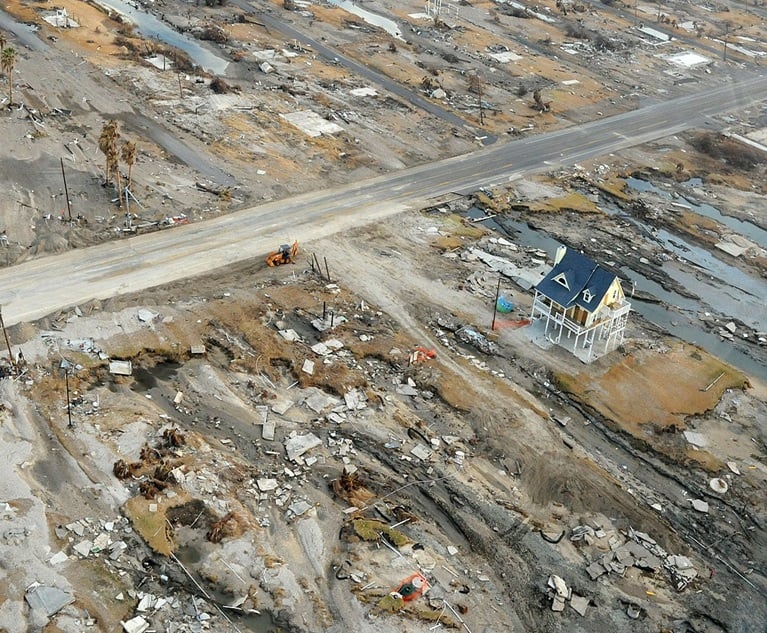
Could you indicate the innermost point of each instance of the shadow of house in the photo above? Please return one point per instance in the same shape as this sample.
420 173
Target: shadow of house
581 306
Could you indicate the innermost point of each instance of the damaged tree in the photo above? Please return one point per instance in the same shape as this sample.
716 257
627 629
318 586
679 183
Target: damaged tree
108 146
7 61
174 437
540 105
124 470
221 528
151 488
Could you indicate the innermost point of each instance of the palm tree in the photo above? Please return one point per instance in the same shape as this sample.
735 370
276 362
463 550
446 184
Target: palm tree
7 60
108 145
128 154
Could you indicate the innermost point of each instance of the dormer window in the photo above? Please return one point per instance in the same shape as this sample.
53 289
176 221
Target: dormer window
562 280
587 296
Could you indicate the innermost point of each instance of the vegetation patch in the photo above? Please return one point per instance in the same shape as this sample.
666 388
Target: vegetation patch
730 151
682 379
615 188
573 201
149 519
373 530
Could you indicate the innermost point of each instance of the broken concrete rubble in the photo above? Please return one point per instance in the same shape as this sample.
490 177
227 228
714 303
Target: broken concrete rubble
696 439
642 552
475 339
296 445
700 505
317 400
558 592
268 430
135 625
421 451
299 508
406 390
266 485
146 316
58 558
83 548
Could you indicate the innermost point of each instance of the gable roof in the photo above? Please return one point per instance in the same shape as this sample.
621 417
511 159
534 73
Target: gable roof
576 280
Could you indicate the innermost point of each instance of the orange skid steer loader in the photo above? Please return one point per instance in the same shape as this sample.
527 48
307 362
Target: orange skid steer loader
286 254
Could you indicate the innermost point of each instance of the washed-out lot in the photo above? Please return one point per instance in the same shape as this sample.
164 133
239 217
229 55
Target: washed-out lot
283 468
273 458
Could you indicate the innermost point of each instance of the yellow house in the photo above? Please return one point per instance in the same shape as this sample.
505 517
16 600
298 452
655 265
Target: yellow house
583 302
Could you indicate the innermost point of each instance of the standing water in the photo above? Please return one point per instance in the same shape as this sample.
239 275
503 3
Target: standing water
677 314
153 27
390 26
745 228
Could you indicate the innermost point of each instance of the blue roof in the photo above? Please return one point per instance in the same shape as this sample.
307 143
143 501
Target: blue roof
576 280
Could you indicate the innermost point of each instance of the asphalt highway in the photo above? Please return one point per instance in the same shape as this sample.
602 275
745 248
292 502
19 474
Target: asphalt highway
39 287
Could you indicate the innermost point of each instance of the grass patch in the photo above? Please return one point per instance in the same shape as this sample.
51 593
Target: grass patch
390 604
459 227
615 187
371 530
704 460
655 389
153 526
446 243
573 201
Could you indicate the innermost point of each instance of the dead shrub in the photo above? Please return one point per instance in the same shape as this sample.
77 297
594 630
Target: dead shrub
228 525
174 437
220 86
150 489
212 33
124 470
726 149
578 31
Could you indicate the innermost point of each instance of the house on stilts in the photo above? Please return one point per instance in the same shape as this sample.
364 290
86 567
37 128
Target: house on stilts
581 305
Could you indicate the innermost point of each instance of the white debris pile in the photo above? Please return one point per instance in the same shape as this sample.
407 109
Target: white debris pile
560 594
91 538
639 550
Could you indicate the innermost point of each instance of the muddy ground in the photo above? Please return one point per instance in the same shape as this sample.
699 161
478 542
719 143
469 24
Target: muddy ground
499 473
496 469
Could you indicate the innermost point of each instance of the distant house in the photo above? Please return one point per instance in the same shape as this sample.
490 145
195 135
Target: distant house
583 302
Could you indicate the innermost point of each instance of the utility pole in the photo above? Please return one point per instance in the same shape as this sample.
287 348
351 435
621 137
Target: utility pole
127 209
66 191
178 75
495 305
479 91
69 404
726 33
7 340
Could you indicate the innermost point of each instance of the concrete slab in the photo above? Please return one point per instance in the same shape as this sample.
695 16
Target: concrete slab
297 445
48 600
120 367
311 123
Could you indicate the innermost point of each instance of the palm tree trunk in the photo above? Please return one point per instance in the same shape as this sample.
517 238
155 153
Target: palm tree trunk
119 188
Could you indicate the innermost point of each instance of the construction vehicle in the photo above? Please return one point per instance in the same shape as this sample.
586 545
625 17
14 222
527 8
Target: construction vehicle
286 254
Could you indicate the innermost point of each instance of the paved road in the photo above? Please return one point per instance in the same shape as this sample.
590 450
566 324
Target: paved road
39 287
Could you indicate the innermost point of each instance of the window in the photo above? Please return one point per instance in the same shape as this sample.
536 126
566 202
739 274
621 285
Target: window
562 280
587 296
